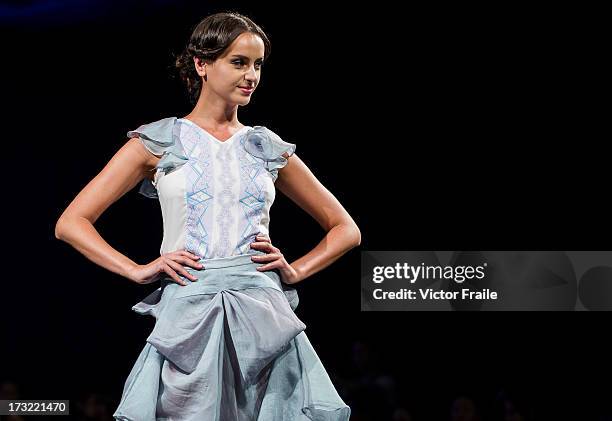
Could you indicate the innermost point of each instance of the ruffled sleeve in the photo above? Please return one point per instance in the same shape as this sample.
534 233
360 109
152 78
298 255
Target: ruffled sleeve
263 143
160 139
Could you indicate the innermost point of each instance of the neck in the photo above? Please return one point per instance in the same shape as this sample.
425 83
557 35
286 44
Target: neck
212 111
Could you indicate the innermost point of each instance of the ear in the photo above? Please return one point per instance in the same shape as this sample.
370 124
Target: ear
200 67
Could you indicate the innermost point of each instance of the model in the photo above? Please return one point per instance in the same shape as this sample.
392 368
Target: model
226 344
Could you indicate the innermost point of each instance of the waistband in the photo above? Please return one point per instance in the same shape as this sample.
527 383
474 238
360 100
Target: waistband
232 272
213 279
223 262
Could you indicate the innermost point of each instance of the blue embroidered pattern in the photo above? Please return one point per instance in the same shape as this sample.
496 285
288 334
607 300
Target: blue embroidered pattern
199 191
229 188
238 172
227 199
252 196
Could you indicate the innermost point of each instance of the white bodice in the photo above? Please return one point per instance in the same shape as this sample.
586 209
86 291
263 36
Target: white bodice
215 195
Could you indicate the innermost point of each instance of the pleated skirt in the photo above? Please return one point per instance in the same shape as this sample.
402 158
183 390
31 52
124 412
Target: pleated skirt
228 347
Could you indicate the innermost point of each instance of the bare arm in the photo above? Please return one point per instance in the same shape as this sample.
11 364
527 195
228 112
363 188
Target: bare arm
75 226
298 183
130 165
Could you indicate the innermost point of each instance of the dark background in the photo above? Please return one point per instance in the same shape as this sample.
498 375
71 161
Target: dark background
439 127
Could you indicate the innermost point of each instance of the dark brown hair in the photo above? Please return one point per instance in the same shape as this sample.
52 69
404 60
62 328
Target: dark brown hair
210 38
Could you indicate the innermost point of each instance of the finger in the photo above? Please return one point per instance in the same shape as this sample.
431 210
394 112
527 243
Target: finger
262 237
187 261
182 270
269 266
189 254
266 257
167 269
261 245
266 241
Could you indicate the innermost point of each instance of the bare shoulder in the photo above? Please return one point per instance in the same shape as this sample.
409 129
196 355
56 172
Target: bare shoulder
147 160
294 169
126 168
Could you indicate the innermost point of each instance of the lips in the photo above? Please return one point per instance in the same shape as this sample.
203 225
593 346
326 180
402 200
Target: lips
246 91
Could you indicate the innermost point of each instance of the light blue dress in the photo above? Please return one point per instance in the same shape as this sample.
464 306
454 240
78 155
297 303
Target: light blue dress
229 345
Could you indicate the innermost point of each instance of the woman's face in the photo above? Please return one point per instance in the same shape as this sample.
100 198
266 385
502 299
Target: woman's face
238 67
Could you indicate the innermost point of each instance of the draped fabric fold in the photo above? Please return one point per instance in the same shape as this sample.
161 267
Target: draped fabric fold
267 145
228 347
161 139
258 324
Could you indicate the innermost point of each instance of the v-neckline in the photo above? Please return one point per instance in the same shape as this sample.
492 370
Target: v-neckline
197 126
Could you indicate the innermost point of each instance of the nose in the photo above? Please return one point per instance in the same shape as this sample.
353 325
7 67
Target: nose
251 74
